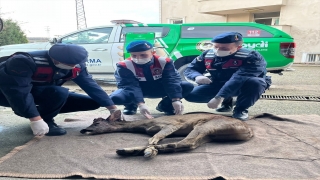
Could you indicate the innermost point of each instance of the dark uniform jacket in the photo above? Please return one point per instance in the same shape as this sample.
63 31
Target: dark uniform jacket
159 73
232 70
19 74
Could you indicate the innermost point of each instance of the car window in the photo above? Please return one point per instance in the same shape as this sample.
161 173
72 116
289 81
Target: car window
211 31
159 31
92 36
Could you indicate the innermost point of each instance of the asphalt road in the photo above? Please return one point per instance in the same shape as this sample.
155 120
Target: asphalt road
303 81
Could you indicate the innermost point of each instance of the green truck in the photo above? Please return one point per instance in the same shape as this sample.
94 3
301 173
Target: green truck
180 42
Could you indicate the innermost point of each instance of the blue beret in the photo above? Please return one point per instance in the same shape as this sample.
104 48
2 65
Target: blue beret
138 46
228 37
68 53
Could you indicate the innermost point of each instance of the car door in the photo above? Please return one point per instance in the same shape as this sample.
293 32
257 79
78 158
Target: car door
98 44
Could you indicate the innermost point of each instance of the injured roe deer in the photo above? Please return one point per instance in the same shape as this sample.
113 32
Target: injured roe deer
199 128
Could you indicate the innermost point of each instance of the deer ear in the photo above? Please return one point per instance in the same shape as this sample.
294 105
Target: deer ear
115 116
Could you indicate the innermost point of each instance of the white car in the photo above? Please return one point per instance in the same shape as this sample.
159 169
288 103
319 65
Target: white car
103 43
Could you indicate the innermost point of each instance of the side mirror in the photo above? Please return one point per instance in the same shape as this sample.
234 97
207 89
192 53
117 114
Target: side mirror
1 24
53 41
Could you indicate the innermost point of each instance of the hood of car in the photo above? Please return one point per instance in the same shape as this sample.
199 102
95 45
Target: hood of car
33 46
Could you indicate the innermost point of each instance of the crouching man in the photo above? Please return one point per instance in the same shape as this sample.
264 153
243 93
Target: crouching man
234 71
145 75
30 83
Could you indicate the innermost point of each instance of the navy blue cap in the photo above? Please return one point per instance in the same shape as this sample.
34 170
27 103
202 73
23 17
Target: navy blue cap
138 46
68 53
228 37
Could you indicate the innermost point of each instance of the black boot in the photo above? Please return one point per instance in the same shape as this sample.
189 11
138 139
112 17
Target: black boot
240 114
226 106
165 105
130 109
54 129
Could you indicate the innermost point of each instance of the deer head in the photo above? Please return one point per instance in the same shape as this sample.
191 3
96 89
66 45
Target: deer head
101 125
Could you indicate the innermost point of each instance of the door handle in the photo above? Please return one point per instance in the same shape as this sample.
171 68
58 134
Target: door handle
100 49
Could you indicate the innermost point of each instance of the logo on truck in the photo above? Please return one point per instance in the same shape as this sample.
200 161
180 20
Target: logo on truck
93 62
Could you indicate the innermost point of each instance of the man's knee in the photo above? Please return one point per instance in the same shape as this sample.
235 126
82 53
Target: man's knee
119 97
256 84
186 87
57 92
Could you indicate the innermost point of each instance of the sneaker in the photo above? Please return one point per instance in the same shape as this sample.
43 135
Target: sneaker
165 105
55 130
241 114
130 109
159 108
224 108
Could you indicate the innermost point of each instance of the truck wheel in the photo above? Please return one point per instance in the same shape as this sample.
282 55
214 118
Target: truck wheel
183 77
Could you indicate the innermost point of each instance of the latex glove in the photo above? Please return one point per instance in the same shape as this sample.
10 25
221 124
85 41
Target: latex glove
215 102
203 80
39 127
178 107
145 111
113 110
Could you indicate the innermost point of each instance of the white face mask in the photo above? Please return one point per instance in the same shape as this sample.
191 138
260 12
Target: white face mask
63 66
220 53
141 61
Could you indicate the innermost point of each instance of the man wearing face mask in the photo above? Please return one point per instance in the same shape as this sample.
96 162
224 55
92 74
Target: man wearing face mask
235 71
30 83
146 75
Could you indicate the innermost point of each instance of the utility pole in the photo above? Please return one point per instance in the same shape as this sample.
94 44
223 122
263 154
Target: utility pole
81 17
47 28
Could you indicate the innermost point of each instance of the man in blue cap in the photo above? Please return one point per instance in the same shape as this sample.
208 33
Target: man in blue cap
235 71
30 83
146 75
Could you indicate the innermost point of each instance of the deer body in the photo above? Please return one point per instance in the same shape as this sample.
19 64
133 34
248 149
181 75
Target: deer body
199 128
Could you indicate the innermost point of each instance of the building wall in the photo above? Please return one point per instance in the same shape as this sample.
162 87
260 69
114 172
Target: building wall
245 17
299 18
304 19
187 9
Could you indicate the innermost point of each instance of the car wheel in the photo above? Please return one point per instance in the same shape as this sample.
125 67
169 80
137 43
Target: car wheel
183 77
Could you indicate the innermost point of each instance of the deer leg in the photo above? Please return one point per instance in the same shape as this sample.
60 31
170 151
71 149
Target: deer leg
192 141
163 133
134 151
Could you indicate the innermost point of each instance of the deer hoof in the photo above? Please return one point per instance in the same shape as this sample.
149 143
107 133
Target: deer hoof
150 152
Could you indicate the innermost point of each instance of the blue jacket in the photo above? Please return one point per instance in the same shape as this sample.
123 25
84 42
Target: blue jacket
232 70
17 80
169 79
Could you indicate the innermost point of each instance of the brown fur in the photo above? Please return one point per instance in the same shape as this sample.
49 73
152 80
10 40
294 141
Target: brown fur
199 128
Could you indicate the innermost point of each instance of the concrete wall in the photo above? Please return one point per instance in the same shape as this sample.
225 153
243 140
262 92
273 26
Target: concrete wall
299 18
187 9
244 17
304 19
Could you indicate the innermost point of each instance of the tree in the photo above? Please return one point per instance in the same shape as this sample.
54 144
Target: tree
12 33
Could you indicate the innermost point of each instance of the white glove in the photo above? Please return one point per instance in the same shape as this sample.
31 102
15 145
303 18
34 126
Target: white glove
202 80
39 127
178 107
145 111
215 102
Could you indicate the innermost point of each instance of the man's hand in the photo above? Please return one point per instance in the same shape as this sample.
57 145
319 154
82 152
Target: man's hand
202 80
178 107
39 127
215 102
145 111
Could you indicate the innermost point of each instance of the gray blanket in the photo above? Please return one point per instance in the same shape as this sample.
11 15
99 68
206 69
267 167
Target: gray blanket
278 150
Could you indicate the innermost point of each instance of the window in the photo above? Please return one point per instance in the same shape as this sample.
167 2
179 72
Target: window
159 31
176 20
92 36
271 18
211 31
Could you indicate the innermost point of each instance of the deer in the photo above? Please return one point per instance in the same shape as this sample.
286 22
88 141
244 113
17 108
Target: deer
197 128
